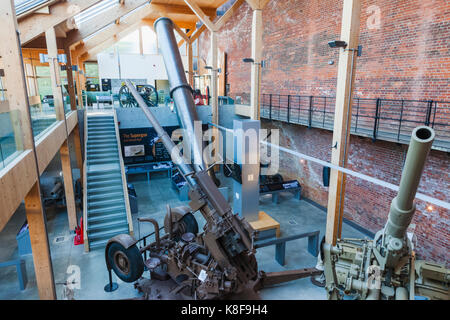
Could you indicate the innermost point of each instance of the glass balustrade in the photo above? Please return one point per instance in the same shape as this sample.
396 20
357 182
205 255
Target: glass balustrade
8 147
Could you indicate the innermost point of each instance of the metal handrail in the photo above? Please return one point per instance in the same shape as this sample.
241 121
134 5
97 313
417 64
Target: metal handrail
380 119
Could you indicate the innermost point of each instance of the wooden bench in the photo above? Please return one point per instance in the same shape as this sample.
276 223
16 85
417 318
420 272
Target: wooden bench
21 271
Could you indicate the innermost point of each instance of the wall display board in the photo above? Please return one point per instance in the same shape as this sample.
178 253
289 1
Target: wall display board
142 145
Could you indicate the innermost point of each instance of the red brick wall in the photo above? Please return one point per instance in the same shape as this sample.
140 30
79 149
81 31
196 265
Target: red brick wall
406 58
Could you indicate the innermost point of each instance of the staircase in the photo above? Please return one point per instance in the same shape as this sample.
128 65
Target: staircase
106 204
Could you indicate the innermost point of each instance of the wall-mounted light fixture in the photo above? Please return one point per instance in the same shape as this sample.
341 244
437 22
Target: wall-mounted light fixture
337 44
251 60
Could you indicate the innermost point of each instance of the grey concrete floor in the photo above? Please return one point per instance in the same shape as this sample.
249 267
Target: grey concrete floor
294 216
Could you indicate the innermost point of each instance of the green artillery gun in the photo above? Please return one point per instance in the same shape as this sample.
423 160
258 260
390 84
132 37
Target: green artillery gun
146 91
385 268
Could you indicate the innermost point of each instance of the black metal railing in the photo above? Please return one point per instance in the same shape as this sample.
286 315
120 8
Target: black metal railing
379 119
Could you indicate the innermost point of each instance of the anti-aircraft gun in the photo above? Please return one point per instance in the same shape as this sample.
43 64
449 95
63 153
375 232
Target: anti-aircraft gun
212 264
385 267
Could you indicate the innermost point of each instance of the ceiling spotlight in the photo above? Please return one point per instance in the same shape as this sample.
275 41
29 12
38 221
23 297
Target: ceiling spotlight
337 44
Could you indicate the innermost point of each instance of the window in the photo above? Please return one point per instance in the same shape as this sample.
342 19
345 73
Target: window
149 40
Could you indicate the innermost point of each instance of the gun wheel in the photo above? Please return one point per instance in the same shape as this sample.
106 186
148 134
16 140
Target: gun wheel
126 263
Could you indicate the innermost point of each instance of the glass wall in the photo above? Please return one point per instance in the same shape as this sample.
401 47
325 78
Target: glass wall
129 44
66 100
2 90
43 114
8 148
92 72
149 41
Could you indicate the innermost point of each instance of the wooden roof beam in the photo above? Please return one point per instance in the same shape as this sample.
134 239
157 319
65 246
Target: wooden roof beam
200 14
32 26
107 33
166 9
257 4
107 17
214 27
91 53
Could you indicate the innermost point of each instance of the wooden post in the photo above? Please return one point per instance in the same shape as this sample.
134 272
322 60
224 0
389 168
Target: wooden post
10 51
70 86
190 63
214 93
257 32
55 77
73 104
68 185
141 43
342 117
214 72
77 144
42 260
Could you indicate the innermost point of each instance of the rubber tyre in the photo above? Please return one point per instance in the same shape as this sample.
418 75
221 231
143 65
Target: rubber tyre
135 263
190 225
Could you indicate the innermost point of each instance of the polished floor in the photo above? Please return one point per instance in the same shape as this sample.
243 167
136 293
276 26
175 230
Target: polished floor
71 262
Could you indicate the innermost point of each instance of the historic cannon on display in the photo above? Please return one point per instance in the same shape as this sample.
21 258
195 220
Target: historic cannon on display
385 267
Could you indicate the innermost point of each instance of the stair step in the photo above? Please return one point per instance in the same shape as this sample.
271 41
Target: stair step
107 225
105 203
104 153
95 132
103 156
101 136
115 215
105 196
104 183
101 143
106 235
105 175
105 211
98 191
98 146
99 244
102 162
101 140
100 150
108 125
100 118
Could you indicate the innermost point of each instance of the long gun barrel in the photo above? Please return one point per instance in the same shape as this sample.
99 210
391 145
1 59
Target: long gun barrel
402 206
180 90
206 196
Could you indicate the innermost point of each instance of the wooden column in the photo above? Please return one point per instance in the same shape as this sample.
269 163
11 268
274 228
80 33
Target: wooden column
257 32
70 80
79 81
141 42
77 144
214 84
342 118
190 63
37 223
215 93
68 185
76 131
55 77
11 53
